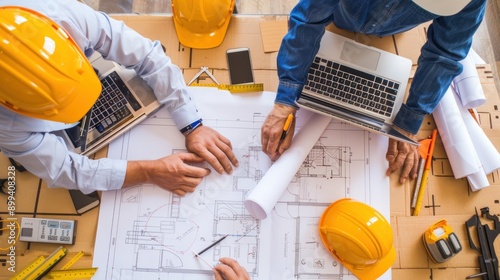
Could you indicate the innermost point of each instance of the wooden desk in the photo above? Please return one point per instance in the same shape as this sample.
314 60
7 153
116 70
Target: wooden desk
446 197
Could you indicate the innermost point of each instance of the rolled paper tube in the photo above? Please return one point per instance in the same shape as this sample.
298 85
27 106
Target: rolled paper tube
262 199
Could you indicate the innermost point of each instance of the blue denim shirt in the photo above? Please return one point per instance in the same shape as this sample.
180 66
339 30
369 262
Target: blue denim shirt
448 41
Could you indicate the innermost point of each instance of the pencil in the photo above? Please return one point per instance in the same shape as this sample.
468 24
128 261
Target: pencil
425 176
419 181
286 128
212 245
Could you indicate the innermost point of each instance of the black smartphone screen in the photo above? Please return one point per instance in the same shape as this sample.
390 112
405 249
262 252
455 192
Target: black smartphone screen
239 65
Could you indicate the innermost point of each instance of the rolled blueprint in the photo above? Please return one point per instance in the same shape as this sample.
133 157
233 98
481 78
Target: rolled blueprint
486 151
468 86
262 199
456 141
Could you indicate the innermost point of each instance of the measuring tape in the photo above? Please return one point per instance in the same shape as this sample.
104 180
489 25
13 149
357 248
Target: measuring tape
234 88
440 242
41 266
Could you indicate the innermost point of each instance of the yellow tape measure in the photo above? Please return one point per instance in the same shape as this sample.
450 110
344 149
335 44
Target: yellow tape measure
234 88
72 273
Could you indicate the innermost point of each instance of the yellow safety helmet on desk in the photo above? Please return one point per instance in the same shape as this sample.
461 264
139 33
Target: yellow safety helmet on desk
43 72
202 24
359 237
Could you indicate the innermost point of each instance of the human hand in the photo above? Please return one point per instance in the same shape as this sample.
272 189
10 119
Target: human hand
172 173
401 154
273 128
230 269
213 147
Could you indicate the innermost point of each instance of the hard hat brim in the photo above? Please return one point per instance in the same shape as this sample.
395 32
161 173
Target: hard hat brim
373 271
369 271
199 40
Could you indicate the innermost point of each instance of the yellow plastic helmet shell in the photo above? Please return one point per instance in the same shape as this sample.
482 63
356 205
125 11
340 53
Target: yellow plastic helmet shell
359 237
43 72
202 24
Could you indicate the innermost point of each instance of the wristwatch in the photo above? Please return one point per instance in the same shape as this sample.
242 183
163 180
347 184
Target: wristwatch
191 127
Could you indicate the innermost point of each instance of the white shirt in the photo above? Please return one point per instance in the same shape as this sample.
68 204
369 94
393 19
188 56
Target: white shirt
29 141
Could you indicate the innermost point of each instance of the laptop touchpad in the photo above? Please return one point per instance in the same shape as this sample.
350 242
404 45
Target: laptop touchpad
143 91
360 55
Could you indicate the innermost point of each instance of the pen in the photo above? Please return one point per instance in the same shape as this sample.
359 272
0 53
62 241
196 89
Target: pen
212 245
425 176
82 126
286 128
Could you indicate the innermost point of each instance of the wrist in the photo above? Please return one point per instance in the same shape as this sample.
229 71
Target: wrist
191 127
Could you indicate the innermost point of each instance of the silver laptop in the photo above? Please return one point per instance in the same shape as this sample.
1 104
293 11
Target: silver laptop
358 84
125 101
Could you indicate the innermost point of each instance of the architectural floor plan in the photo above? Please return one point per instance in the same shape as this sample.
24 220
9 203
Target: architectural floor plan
146 232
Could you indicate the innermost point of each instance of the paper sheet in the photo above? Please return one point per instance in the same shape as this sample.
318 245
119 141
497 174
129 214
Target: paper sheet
264 196
457 143
145 232
468 86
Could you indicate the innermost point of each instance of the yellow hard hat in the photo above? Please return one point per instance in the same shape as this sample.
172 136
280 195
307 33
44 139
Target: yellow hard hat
202 24
43 72
359 237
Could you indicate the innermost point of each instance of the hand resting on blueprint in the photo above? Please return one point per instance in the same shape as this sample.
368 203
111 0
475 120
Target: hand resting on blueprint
212 147
230 269
399 154
173 173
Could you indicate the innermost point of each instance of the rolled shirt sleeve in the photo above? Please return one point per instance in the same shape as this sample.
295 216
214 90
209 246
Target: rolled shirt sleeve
30 142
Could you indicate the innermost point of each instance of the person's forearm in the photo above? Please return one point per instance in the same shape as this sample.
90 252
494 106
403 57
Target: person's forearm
138 173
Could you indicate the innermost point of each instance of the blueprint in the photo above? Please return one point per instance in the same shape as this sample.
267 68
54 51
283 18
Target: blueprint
145 232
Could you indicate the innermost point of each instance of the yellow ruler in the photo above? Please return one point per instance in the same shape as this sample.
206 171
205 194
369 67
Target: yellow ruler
40 270
73 260
28 269
234 88
72 273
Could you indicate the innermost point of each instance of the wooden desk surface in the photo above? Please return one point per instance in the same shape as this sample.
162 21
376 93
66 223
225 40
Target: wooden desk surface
446 197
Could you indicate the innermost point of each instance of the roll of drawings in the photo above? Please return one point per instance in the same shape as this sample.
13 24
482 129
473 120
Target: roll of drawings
486 151
468 85
456 141
262 199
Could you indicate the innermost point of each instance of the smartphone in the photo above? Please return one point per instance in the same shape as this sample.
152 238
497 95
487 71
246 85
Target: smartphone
239 66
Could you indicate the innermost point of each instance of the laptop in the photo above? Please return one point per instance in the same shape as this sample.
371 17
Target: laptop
358 84
126 100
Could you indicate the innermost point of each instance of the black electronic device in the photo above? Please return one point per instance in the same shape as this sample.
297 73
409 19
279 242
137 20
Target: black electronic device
240 66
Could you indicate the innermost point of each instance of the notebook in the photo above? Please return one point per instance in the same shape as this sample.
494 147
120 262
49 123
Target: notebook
125 101
358 84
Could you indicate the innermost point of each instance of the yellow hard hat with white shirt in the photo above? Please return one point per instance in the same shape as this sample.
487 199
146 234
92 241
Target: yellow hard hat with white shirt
43 72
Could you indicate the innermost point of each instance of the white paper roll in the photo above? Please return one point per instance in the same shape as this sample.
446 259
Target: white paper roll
456 141
468 85
262 199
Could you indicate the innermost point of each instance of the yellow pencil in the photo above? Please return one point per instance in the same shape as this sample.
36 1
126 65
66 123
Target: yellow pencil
425 176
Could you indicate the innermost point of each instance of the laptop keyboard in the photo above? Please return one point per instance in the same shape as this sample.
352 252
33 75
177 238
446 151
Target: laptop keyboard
352 86
110 108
